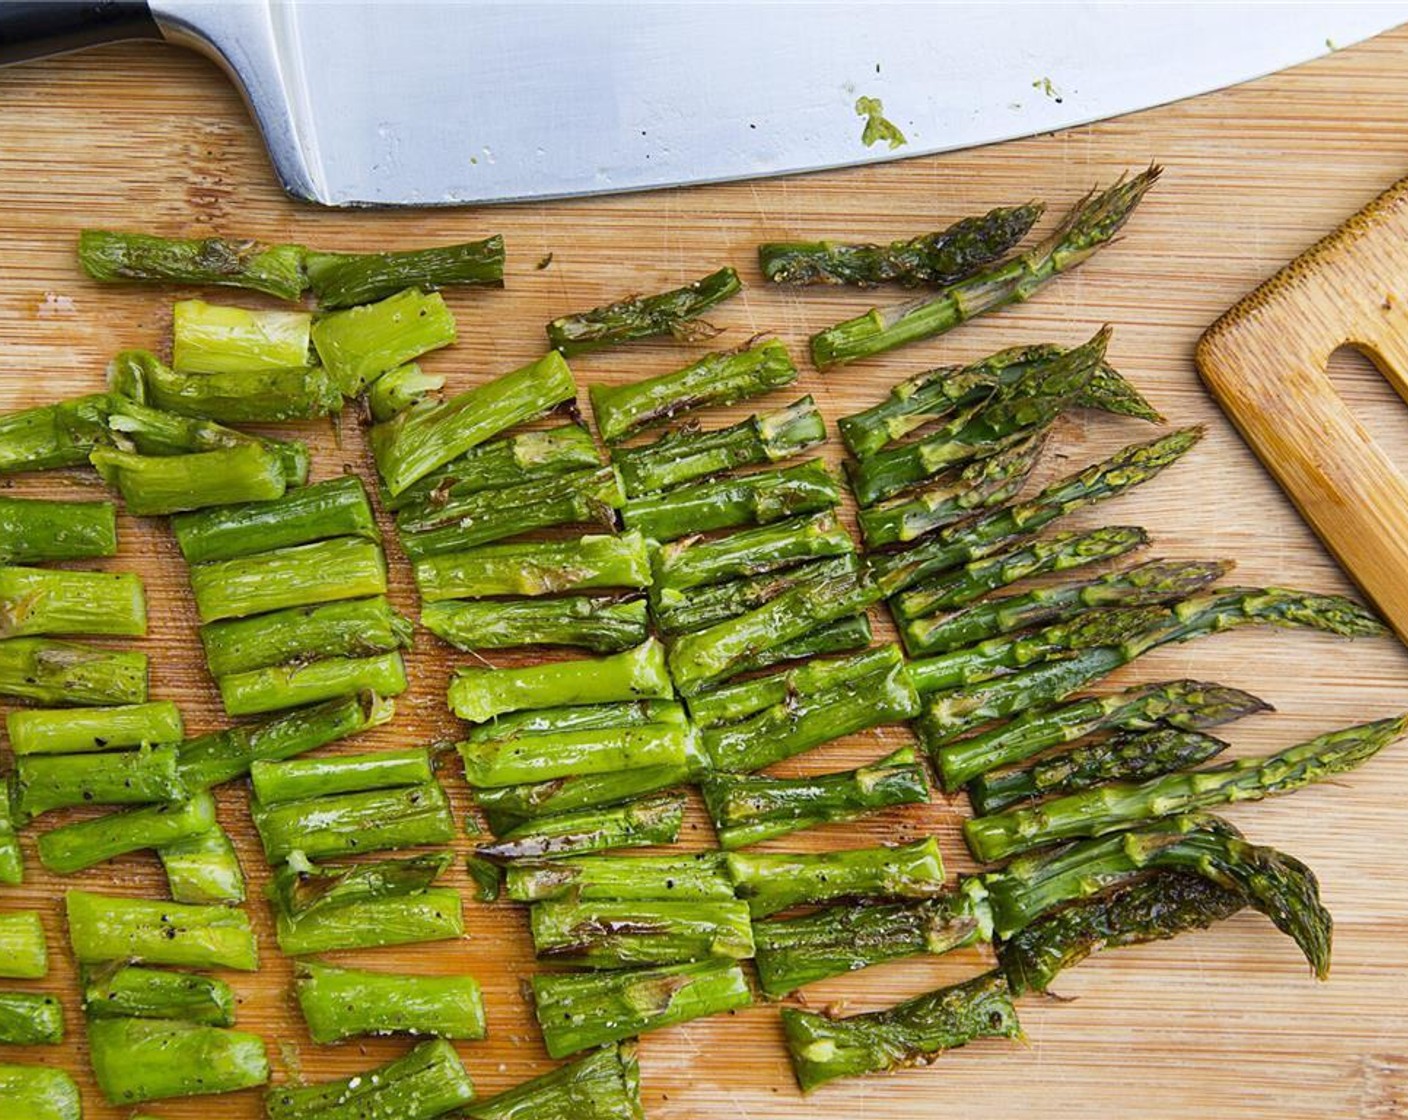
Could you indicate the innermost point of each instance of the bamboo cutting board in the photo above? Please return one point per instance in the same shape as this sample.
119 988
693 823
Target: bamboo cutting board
1223 1023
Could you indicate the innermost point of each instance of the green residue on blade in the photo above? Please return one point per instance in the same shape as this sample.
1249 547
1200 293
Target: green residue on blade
877 128
1048 87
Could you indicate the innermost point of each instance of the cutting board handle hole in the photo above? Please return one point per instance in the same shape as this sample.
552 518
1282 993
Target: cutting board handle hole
1375 395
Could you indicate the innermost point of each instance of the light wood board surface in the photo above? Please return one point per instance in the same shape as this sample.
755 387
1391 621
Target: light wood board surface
1224 1023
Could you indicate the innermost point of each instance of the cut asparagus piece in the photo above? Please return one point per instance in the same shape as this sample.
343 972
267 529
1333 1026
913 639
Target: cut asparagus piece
585 1009
211 338
30 1019
1092 223
599 624
203 868
370 821
934 259
918 1030
221 756
771 881
346 279
340 1003
636 824
11 857
1160 907
53 435
724 377
698 876
34 531
427 1081
845 635
105 928
81 730
567 754
794 952
690 453
82 844
276 781
726 503
111 255
299 576
153 1059
153 486
290 686
299 888
702 607
49 671
337 507
1125 757
479 695
1095 812
23 955
126 991
691 562
295 392
58 781
39 601
399 389
674 313
602 1085
361 343
613 934
536 568
416 442
39 1092
354 628
543 721
749 808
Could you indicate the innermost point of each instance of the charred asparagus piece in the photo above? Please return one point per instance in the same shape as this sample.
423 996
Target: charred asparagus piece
301 575
39 1092
536 568
82 844
269 395
53 435
603 1085
33 531
275 782
49 671
346 279
770 882
674 313
153 1059
352 628
635 824
203 868
698 876
289 686
369 821
114 256
106 928
337 507
602 625
39 601
340 1003
427 1081
688 563
127 777
127 991
82 730
153 486
615 934
23 953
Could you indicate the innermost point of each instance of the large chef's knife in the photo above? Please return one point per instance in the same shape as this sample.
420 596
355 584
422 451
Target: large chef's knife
466 101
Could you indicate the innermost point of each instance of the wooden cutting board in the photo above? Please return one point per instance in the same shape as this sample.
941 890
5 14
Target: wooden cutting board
1225 1023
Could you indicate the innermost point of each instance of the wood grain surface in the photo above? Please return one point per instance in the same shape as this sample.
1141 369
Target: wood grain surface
1224 1023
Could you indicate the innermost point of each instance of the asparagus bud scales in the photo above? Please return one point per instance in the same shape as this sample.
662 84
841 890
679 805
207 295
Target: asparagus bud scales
113 256
213 339
673 312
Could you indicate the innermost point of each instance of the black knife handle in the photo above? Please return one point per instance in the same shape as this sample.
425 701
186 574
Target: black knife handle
35 28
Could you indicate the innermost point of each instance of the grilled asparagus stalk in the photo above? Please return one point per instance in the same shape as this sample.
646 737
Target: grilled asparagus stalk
359 344
115 256
674 313
34 531
770 882
340 1003
106 928
537 568
427 1081
347 279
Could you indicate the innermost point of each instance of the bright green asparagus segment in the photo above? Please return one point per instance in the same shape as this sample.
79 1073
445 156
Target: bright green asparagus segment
723 377
156 485
49 671
39 1092
295 392
635 824
34 531
39 601
58 781
352 628
726 503
590 717
23 955
11 857
106 928
361 343
934 259
30 1019
683 613
674 313
688 453
536 568
116 256
584 1009
368 821
299 576
443 508
399 389
918 1030
126 991
427 1081
1119 805
602 625
211 338
203 868
346 279
566 754
291 686
1092 223
53 435
337 507
845 635
794 952
276 781
340 1003
697 876
602 1085
616 934
416 442
82 730
749 808
772 881
684 564
154 1059
82 844
478 695
221 756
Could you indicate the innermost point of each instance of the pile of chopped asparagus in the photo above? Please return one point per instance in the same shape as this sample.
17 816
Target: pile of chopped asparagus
697 616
